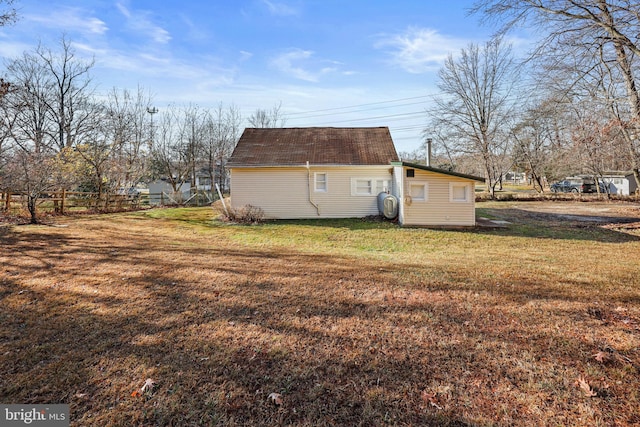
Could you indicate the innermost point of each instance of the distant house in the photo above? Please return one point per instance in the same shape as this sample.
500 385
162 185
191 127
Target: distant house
161 192
622 183
296 173
516 178
204 182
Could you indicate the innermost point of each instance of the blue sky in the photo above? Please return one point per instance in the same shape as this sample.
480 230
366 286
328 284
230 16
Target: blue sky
329 62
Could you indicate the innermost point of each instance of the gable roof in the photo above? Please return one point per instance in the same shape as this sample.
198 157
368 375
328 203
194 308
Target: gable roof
438 170
316 145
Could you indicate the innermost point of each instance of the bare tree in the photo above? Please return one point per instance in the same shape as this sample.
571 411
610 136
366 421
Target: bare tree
128 124
220 135
70 105
590 142
476 110
28 104
52 102
49 109
9 15
273 118
190 126
97 159
6 126
34 174
539 141
593 30
169 156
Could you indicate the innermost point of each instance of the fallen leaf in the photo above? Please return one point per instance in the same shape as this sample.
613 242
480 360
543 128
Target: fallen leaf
602 357
430 398
149 384
275 398
585 387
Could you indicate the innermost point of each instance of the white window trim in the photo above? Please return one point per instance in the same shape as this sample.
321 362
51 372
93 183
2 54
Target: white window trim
326 182
373 185
467 192
423 184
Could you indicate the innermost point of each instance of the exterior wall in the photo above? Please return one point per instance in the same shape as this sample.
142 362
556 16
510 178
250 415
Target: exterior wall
616 184
439 207
633 187
289 192
159 186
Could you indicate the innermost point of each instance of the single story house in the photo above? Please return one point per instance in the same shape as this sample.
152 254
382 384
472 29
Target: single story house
326 172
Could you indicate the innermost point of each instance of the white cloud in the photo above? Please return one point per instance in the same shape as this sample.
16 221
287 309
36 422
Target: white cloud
70 20
140 22
245 56
296 63
419 50
12 49
280 9
285 63
194 32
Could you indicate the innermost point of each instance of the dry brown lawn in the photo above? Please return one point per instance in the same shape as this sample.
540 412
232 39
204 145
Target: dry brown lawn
323 322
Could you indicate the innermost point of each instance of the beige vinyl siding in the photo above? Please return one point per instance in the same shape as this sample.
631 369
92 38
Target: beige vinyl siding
438 208
283 193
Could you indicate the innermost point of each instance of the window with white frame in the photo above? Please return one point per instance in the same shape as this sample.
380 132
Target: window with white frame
369 186
321 183
459 192
382 185
419 191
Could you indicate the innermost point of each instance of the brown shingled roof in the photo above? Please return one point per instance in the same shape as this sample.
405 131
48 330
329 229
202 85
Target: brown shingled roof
296 146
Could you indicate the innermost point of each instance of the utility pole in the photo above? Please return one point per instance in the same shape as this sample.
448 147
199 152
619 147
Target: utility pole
151 111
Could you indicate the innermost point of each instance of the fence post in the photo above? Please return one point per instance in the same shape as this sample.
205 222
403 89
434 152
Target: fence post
62 199
7 200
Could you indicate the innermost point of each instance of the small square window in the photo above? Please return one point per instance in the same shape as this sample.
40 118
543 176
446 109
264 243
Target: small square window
411 173
459 192
418 191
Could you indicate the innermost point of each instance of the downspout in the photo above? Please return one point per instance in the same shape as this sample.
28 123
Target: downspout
311 190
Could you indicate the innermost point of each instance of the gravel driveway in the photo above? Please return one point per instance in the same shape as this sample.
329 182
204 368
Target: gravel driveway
577 212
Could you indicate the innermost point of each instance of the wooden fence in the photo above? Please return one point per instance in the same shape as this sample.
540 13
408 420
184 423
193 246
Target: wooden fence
71 201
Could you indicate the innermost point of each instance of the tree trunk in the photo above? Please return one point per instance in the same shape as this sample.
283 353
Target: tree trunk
32 201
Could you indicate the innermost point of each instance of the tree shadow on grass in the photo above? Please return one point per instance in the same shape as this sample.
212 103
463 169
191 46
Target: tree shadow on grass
87 320
90 333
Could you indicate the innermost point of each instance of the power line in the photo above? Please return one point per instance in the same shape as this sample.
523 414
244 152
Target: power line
359 105
389 117
408 128
354 111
